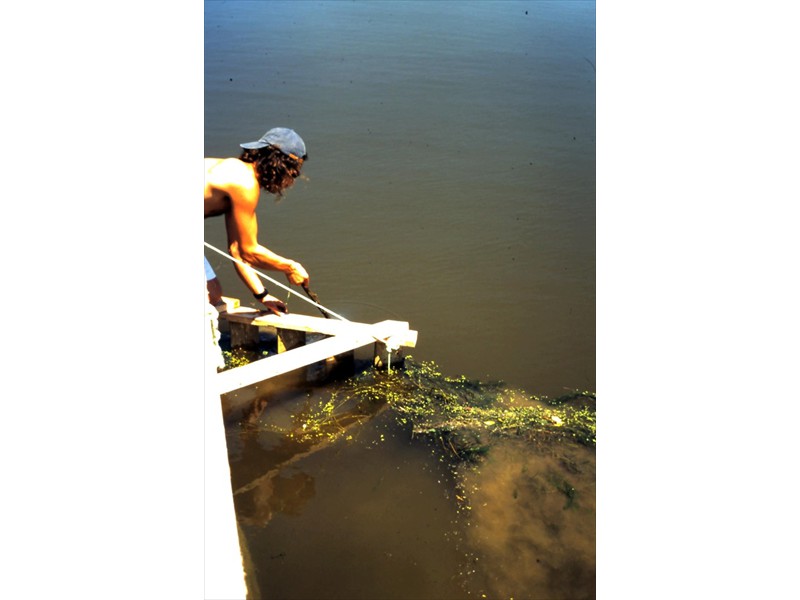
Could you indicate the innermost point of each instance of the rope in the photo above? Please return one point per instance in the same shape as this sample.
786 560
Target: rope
291 291
288 289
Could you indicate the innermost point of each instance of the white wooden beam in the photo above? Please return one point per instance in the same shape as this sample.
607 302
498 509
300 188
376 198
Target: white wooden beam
400 334
278 364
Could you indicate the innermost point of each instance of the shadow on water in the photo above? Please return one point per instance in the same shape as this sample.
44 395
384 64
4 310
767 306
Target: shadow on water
416 485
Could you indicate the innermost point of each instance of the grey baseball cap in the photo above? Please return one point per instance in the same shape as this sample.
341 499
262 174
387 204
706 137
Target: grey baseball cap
286 140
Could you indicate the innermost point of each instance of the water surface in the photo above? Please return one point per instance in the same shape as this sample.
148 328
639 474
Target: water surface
451 184
452 169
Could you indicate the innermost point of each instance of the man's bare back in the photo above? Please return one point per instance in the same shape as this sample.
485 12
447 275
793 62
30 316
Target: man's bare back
224 175
232 189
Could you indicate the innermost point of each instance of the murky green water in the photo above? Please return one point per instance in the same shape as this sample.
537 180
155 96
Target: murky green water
450 184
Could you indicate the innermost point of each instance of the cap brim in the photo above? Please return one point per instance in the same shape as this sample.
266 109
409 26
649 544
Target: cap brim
254 145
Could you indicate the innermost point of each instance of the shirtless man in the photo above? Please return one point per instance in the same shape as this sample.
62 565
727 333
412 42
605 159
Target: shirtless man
233 187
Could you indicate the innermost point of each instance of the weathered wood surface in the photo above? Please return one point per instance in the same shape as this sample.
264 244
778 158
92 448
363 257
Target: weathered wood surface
400 334
355 336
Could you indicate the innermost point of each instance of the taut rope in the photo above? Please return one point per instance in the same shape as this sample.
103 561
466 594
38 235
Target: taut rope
279 284
309 300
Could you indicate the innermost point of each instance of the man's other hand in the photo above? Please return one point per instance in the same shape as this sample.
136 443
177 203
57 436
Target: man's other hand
278 307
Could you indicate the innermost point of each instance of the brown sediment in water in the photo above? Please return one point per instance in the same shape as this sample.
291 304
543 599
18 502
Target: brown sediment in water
531 525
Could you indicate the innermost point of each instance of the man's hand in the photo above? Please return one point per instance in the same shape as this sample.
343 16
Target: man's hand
278 307
297 275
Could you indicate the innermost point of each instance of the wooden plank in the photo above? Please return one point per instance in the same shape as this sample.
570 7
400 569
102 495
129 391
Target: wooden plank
293 321
243 336
400 333
407 338
228 304
278 364
289 339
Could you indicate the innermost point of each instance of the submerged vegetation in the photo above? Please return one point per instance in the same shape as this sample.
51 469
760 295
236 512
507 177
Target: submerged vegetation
238 357
463 413
460 414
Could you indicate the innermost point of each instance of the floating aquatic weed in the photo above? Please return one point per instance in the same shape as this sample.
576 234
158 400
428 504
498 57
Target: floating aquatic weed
330 419
239 357
463 414
460 415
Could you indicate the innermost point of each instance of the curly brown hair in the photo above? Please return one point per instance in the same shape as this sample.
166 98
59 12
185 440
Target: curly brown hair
275 170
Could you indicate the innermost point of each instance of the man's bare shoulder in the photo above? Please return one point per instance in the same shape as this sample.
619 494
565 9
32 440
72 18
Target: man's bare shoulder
230 170
231 176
